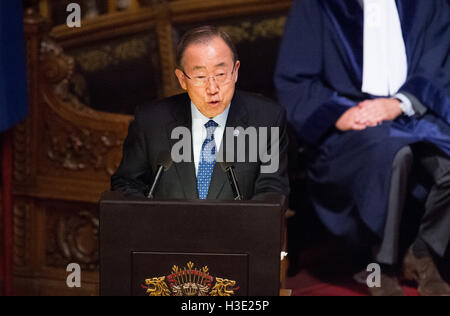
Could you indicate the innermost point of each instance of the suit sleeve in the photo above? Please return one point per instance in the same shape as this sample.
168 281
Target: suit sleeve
429 82
276 181
312 107
134 172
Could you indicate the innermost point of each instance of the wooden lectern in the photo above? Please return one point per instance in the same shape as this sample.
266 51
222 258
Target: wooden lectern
190 248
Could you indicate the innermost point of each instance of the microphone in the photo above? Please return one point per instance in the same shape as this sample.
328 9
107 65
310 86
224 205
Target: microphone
229 169
164 163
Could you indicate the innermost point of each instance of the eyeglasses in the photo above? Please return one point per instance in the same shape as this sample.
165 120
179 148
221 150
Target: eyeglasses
222 78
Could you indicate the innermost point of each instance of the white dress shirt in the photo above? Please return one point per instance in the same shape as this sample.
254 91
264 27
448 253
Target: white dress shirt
199 131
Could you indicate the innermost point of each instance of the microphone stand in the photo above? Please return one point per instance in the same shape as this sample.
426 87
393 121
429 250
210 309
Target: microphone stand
155 182
234 184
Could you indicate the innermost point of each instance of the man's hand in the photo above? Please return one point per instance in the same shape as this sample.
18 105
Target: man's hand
369 113
375 112
350 120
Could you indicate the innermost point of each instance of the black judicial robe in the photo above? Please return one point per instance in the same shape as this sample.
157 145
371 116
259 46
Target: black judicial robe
319 76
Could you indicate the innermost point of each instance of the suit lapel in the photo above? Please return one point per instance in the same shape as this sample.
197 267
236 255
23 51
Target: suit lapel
237 117
185 170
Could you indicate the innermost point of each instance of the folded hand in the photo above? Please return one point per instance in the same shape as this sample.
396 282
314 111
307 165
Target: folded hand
375 112
368 114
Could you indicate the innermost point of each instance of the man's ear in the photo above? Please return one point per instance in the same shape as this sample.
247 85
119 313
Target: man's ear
236 71
181 78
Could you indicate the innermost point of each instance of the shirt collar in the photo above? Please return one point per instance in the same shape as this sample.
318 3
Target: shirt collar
199 118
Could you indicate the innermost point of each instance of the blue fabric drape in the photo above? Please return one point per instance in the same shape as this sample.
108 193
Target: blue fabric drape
13 81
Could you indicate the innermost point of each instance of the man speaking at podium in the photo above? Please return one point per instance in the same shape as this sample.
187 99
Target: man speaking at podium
207 68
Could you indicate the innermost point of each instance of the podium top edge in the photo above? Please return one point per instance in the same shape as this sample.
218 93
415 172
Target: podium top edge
117 198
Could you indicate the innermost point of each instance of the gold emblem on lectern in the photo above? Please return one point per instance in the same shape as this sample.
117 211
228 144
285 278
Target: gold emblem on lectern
189 282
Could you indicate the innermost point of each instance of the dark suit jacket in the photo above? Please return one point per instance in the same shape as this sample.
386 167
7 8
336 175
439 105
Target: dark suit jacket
150 133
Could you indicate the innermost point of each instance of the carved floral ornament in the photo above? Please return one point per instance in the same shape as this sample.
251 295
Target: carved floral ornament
250 31
57 70
55 65
76 149
107 55
81 149
77 239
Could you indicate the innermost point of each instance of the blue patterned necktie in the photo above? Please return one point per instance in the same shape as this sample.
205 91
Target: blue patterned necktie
207 160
